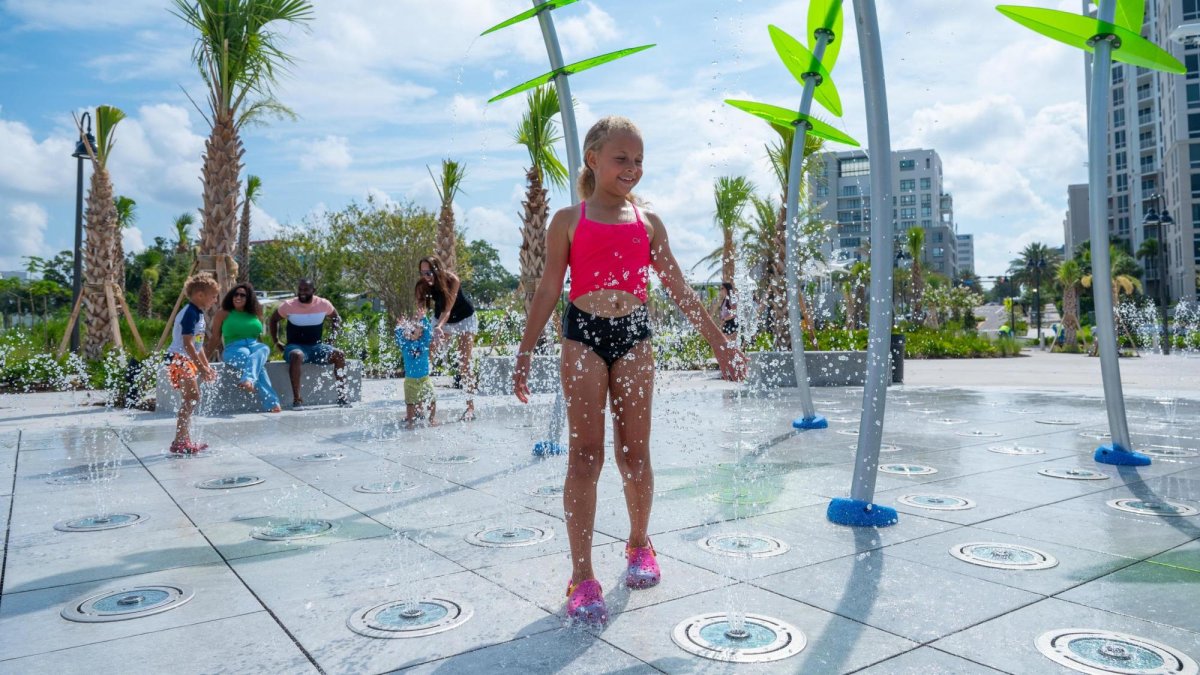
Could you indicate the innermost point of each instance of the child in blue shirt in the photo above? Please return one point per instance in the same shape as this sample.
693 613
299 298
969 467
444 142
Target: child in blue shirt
413 336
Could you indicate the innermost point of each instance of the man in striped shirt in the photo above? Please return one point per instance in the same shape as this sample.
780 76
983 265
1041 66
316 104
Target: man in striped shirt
306 315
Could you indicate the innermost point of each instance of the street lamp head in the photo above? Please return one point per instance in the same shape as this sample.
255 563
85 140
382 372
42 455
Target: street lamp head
1152 217
81 150
1166 219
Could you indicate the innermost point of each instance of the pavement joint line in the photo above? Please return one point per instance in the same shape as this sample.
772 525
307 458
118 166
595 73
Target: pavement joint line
1131 616
231 569
8 521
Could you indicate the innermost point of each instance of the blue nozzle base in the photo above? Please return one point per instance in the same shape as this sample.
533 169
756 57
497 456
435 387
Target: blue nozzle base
814 422
857 513
547 449
1116 455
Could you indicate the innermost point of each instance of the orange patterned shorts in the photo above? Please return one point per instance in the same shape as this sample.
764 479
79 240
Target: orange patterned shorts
179 369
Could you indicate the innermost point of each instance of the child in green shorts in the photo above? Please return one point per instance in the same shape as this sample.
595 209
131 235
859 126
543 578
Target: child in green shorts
413 336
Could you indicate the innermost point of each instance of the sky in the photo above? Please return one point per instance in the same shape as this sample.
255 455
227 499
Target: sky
383 90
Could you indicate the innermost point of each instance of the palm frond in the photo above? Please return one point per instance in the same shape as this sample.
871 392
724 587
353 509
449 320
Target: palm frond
538 133
107 119
449 182
126 211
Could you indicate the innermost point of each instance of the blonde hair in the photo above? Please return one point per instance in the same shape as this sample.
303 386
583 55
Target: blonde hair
596 137
200 282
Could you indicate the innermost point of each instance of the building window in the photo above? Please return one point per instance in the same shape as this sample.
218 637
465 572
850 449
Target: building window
1194 155
908 185
852 242
849 191
1143 91
908 164
1196 247
1118 118
1122 203
1192 61
1145 116
1146 139
1120 161
1118 97
1118 139
939 252
908 200
938 237
1118 74
1122 182
1191 9
1123 226
927 211
926 183
1193 125
1146 164
1196 184
1193 94
822 190
927 223
856 166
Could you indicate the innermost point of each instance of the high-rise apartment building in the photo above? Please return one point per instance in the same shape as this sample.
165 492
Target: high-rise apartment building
1075 223
966 253
1154 152
841 189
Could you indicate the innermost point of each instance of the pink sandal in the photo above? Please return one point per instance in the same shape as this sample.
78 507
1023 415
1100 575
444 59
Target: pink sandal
643 569
585 603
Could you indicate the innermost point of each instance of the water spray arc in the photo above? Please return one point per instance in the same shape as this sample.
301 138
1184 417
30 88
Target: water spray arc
1113 34
811 70
558 74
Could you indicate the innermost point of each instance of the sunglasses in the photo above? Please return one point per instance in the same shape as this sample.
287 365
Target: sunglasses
240 295
427 273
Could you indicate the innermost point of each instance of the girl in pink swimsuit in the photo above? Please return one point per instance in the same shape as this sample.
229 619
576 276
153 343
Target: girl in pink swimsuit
610 244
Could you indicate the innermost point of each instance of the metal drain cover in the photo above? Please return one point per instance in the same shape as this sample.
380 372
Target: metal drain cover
883 447
96 523
320 457
1057 421
937 502
510 537
743 545
400 619
1073 474
1100 652
1158 507
555 490
1003 556
1015 449
847 432
304 529
977 433
907 469
1095 435
1169 451
452 459
760 639
385 487
127 603
949 421
229 482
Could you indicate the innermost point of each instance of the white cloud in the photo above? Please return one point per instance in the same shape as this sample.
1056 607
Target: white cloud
24 230
331 153
32 167
85 14
262 224
132 241
157 156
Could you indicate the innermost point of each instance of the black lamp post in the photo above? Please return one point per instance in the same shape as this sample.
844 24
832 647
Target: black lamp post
904 262
86 140
1160 220
1038 264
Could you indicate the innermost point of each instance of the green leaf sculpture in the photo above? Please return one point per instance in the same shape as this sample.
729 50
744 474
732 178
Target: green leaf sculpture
529 14
801 62
1131 14
789 118
569 70
1080 31
826 15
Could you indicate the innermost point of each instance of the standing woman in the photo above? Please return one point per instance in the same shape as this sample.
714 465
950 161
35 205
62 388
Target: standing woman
238 325
441 290
728 310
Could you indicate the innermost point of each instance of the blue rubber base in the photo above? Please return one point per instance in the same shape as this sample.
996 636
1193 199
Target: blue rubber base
545 448
814 422
1116 455
857 513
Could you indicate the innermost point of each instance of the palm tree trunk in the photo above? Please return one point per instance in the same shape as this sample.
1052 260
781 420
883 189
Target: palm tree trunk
447 239
146 300
243 244
98 269
222 165
777 285
533 236
727 253
1071 315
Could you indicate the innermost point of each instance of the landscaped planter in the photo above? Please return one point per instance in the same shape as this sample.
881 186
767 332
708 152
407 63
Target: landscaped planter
496 372
825 369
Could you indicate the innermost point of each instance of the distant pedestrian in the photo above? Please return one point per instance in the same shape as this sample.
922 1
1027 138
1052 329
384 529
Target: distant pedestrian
727 309
441 291
236 333
186 361
414 334
306 315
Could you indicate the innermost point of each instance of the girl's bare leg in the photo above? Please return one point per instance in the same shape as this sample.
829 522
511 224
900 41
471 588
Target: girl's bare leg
466 343
585 388
189 392
631 384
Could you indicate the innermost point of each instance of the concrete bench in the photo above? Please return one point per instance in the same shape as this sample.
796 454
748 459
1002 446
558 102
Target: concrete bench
825 369
317 387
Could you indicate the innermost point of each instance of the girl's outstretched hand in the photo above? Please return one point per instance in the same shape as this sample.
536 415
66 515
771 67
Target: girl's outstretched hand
732 361
521 376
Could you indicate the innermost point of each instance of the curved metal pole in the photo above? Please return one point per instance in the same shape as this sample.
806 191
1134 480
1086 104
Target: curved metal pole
858 509
1120 451
810 420
566 108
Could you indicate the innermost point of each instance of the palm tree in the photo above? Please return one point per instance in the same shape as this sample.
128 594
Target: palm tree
448 184
151 264
914 246
253 190
537 132
760 245
126 217
99 248
731 194
183 236
1124 281
1069 276
238 53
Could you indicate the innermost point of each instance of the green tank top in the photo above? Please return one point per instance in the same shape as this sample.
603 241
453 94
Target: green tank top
240 326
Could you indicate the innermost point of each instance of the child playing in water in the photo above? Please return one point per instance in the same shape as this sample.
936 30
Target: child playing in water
609 244
413 336
185 357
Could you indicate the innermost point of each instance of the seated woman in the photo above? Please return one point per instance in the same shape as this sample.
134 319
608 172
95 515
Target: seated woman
239 325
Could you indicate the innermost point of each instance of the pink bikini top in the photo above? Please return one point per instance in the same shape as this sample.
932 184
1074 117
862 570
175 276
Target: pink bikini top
608 257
